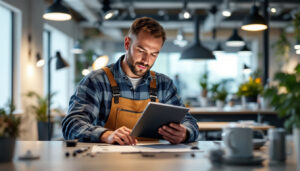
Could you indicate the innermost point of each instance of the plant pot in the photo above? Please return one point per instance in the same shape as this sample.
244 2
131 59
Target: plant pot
296 134
43 130
249 102
204 93
7 148
251 99
220 104
263 102
203 101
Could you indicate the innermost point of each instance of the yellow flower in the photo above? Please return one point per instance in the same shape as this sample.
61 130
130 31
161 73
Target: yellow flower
250 79
258 80
244 88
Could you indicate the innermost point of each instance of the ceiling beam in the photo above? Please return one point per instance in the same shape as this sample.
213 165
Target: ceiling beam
80 6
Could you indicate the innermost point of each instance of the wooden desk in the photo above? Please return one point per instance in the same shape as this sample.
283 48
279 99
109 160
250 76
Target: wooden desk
213 114
52 158
228 111
217 126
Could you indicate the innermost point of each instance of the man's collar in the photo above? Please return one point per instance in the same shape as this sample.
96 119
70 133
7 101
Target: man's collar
119 73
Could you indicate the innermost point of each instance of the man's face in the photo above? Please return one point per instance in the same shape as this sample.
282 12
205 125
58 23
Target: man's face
141 52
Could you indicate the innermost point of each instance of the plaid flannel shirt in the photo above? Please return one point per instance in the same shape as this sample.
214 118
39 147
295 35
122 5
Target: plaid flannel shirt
89 106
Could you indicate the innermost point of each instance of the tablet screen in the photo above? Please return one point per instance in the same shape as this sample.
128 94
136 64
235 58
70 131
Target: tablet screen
155 116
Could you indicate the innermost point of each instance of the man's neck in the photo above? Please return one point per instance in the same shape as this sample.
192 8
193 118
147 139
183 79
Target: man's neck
127 70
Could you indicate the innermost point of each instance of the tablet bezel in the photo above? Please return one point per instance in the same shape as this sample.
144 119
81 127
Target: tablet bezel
156 115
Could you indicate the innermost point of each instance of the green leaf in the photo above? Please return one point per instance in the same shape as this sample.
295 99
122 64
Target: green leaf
297 69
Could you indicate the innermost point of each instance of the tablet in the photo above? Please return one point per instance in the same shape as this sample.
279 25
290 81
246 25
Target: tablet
155 116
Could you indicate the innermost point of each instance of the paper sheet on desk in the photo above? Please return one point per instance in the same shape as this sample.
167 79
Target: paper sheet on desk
157 148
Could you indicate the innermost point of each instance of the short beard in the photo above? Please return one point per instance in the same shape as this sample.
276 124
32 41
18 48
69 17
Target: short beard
132 66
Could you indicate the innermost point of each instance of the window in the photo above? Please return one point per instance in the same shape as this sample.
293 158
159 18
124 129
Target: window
6 46
62 81
226 66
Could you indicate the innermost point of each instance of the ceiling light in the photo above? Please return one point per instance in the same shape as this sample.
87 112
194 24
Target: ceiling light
226 11
39 60
254 21
298 52
235 40
57 12
77 49
110 14
297 45
100 62
273 10
196 50
180 41
108 11
185 13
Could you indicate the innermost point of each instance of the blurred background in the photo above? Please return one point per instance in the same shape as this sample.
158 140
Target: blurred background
44 53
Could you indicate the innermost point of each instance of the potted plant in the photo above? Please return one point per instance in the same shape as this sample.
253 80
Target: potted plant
250 89
40 111
204 84
296 24
204 89
9 130
285 98
282 49
219 94
220 97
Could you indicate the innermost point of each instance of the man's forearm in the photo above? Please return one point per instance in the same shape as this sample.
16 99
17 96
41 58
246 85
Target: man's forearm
77 127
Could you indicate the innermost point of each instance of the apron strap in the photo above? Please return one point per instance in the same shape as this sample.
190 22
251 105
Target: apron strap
153 89
116 90
114 86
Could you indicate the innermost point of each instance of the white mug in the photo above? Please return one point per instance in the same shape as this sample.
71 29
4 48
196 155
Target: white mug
238 142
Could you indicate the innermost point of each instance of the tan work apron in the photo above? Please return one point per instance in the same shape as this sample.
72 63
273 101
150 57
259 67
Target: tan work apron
126 112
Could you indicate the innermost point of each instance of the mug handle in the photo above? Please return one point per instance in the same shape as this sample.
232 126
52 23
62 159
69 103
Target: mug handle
261 133
227 140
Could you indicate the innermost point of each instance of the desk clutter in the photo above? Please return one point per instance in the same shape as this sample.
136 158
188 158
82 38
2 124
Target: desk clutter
201 155
145 150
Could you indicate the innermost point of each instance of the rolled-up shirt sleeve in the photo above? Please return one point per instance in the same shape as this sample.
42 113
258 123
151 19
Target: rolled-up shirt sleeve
83 107
189 121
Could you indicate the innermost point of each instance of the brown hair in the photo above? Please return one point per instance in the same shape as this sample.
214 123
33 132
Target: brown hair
149 25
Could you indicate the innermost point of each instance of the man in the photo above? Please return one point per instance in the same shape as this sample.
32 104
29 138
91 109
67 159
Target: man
109 101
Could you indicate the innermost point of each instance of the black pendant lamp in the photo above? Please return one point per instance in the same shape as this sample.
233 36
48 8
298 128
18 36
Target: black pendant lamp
108 11
196 50
39 60
60 63
246 69
235 40
77 49
57 12
297 45
218 48
245 49
254 21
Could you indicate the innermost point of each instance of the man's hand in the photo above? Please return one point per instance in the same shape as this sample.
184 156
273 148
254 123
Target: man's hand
174 133
120 136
